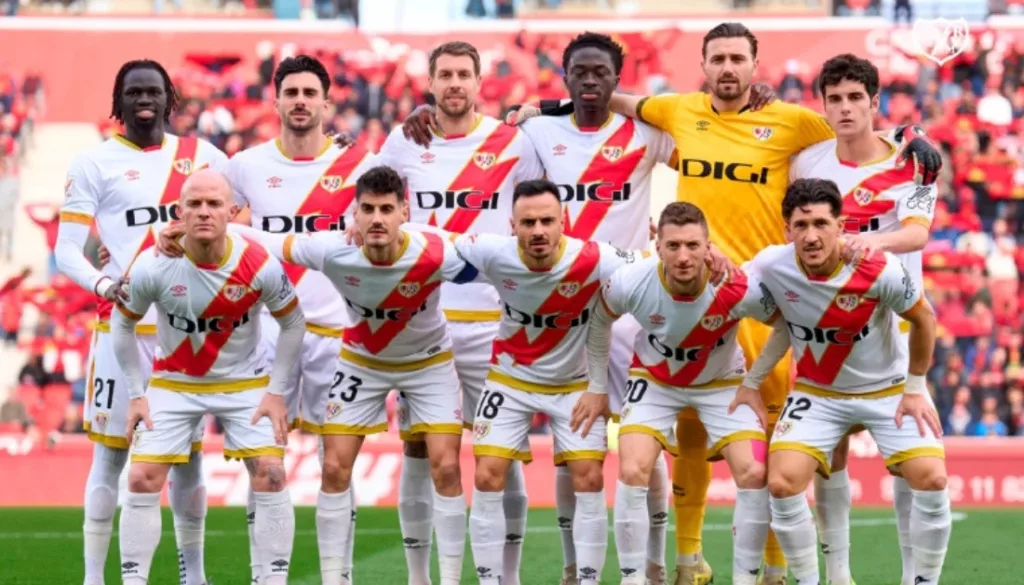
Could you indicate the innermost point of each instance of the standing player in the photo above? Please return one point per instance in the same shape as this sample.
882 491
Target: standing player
852 369
686 357
209 361
884 209
129 186
462 183
300 183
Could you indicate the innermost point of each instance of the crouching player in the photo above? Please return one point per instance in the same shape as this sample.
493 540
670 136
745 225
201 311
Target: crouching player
686 356
208 362
852 369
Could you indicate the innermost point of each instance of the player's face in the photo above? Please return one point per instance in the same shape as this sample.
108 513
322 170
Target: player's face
683 250
814 233
143 99
591 77
537 223
301 102
455 85
206 210
729 67
378 218
849 109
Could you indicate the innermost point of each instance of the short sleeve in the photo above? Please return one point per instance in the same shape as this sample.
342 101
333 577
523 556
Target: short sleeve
612 259
213 157
231 170
758 302
141 291
800 166
615 295
529 166
895 287
812 128
390 153
453 267
276 291
918 206
81 192
311 250
477 249
659 110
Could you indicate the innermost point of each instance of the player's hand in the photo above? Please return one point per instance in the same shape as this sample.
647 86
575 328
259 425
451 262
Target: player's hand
918 151
752 398
919 407
342 139
117 291
761 94
104 255
273 407
352 236
652 230
167 242
721 267
588 408
524 113
138 410
421 125
855 248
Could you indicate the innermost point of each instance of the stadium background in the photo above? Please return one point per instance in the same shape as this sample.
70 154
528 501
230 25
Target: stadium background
57 64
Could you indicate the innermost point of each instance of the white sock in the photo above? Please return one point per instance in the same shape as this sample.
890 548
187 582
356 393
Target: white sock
515 505
347 564
750 521
275 534
930 525
450 525
657 508
832 504
100 505
254 553
565 505
590 536
487 535
903 502
632 528
794 527
415 515
140 535
333 516
187 495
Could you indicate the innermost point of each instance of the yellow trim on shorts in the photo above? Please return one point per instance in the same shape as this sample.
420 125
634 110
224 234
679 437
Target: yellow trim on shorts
646 430
915 453
170 459
323 331
104 327
502 452
873 395
712 385
471 316
418 430
714 453
823 462
357 430
583 455
209 387
240 454
614 417
372 364
309 427
505 379
904 326
106 440
197 446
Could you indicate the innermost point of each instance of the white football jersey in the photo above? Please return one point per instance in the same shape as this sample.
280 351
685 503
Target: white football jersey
877 197
844 328
686 341
288 195
603 175
394 309
208 325
464 184
541 344
131 194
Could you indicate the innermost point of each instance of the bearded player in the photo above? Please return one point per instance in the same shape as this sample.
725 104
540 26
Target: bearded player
129 186
884 209
300 183
734 165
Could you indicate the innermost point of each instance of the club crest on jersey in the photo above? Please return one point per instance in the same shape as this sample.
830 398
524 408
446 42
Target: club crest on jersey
333 409
234 292
183 166
568 289
481 430
612 153
485 160
863 196
783 427
712 322
101 421
408 289
330 183
763 133
847 302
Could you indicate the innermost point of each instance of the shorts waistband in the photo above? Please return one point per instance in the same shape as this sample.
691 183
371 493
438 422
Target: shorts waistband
525 386
712 385
471 316
221 387
141 329
872 395
373 364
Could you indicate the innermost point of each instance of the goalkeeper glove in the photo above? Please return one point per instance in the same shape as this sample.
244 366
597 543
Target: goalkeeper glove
919 152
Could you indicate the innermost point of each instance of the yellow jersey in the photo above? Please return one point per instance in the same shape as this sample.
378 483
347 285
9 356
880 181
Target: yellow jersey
735 165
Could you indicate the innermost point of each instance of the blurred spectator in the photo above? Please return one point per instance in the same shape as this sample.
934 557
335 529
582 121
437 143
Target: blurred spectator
9 193
989 425
47 216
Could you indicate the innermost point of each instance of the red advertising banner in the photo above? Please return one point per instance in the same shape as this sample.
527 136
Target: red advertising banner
985 472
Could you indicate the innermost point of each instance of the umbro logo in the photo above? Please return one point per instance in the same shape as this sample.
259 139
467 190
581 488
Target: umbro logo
703 125
274 183
657 319
559 150
920 580
427 158
509 284
279 566
132 175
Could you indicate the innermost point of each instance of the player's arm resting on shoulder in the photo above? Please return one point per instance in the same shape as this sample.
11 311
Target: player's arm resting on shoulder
122 327
911 237
279 297
772 353
611 304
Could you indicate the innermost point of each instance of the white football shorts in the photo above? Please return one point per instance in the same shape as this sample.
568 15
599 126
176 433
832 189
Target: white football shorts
472 342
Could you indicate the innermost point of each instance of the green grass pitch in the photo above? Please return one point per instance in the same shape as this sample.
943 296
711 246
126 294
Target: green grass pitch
43 546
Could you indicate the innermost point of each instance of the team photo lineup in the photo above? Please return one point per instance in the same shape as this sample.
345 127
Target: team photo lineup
490 270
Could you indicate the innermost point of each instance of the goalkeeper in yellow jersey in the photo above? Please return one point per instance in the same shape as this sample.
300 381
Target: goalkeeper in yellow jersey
734 165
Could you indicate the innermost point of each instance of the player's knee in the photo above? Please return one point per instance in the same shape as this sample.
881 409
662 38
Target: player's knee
782 484
415 449
751 475
633 472
145 479
489 476
923 476
587 476
445 472
335 476
101 502
268 475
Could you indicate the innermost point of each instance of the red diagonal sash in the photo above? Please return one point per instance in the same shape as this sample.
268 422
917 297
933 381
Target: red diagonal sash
862 204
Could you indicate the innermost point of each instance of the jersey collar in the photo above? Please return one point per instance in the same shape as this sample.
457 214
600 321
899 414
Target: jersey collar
590 129
680 298
853 165
120 138
219 265
710 106
560 253
814 277
280 148
476 124
401 251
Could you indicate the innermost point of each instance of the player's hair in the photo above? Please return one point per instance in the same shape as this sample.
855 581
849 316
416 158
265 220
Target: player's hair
534 188
598 41
169 89
729 30
849 67
381 180
682 213
804 192
455 49
301 64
